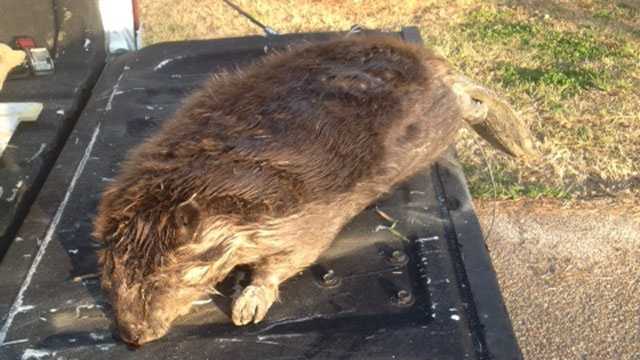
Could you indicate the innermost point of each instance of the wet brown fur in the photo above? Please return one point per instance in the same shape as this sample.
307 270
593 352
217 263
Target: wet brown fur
263 167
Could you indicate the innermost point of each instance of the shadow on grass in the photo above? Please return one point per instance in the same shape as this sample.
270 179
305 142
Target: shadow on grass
569 79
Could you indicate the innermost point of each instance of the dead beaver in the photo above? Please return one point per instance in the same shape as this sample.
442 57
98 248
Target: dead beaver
264 166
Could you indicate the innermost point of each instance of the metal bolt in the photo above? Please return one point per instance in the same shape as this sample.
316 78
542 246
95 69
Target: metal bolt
452 204
398 257
404 297
330 279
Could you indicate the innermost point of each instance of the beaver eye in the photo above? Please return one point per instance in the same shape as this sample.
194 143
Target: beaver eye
410 133
187 215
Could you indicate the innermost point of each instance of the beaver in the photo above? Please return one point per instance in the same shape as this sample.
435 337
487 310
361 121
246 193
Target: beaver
263 166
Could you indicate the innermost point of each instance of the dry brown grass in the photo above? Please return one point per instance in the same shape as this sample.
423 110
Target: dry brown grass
570 67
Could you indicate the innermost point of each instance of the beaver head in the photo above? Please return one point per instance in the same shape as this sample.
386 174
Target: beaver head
144 300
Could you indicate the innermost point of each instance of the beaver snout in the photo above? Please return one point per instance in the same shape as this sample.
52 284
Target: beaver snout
144 310
136 335
131 338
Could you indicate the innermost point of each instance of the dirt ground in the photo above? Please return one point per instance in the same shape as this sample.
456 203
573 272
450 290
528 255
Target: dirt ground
570 277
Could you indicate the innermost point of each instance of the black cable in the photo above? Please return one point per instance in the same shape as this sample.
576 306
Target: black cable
267 30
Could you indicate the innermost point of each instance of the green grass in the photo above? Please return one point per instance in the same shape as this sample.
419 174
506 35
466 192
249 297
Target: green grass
497 27
567 62
506 186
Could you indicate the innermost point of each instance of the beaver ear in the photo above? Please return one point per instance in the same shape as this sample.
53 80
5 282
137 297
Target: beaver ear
188 214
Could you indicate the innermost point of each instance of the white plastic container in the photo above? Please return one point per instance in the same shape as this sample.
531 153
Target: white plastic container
12 114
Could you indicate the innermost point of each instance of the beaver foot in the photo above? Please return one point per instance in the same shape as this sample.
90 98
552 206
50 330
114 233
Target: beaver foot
253 304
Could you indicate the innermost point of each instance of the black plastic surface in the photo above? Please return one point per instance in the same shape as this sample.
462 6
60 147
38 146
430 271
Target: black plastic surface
79 57
455 311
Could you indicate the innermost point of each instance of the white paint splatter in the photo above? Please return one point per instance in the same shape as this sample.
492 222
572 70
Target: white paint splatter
14 191
427 239
164 62
52 310
47 239
113 93
227 340
60 112
268 342
18 239
280 336
87 43
84 306
96 337
13 342
381 228
455 317
106 347
40 150
37 354
72 340
73 251
25 308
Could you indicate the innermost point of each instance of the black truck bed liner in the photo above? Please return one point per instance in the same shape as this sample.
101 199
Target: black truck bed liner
453 309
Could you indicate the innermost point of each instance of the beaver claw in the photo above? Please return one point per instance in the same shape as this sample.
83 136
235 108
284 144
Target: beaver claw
252 305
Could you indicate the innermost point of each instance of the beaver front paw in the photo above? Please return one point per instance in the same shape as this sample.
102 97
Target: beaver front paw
252 305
